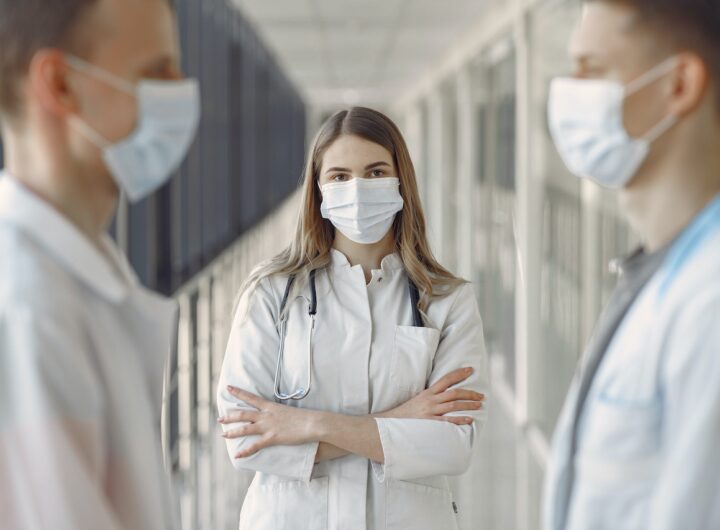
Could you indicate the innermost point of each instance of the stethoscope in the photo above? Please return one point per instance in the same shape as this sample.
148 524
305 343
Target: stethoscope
302 392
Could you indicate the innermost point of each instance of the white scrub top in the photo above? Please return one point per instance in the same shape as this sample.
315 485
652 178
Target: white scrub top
82 351
649 433
368 359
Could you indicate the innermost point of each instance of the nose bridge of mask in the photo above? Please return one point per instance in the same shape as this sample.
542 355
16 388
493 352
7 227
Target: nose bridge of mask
360 198
101 75
362 183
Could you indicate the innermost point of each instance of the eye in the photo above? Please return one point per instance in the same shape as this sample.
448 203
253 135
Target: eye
377 173
340 177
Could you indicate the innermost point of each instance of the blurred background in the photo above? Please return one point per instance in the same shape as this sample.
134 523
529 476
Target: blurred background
466 81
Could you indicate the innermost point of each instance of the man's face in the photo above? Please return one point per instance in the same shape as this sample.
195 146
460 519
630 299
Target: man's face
133 40
608 45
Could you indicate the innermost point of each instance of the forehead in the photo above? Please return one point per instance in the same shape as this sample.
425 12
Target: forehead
136 29
607 30
352 152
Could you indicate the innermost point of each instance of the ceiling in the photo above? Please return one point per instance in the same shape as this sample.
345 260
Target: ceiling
346 52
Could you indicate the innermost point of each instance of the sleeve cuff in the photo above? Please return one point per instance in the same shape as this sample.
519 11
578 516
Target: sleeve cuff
382 470
308 465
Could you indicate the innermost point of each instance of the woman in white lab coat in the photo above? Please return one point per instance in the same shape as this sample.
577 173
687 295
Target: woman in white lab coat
379 390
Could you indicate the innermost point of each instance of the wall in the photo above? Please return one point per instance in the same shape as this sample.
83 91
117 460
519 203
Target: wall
504 211
247 159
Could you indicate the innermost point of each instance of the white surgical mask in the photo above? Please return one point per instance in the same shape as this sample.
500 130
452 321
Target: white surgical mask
168 116
362 209
586 121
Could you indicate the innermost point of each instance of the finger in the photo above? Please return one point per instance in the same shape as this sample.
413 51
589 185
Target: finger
247 397
459 394
458 406
453 378
457 420
240 416
245 430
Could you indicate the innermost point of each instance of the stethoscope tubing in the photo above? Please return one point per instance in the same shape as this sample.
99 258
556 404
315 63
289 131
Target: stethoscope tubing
301 393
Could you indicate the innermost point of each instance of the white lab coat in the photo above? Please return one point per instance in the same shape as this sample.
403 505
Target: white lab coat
368 359
650 432
82 351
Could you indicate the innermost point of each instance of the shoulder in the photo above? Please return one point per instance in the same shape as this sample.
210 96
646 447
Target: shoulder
688 304
44 338
458 303
31 279
262 290
694 285
462 294
691 342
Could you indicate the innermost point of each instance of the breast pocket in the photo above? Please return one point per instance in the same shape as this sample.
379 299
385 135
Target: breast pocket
623 438
412 358
617 465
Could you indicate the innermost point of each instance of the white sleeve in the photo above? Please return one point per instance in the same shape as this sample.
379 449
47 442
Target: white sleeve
52 445
422 448
687 495
250 365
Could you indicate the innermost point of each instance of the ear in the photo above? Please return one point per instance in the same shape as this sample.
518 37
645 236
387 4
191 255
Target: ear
48 83
690 84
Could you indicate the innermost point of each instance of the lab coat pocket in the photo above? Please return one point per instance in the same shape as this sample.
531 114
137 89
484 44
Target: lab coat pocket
412 358
418 506
619 461
284 505
623 430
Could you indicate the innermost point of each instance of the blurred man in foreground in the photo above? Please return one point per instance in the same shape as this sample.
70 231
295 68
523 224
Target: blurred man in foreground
636 445
91 103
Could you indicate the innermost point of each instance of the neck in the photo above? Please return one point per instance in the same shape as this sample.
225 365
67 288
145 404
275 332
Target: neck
665 200
368 256
80 195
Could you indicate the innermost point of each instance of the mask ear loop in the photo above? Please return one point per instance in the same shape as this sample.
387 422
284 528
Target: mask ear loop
661 128
98 73
651 76
89 133
101 75
645 80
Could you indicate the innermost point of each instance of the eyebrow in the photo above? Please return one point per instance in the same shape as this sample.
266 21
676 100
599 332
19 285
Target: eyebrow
367 168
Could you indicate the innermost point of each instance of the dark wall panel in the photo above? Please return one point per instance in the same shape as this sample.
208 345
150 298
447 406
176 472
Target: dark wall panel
247 159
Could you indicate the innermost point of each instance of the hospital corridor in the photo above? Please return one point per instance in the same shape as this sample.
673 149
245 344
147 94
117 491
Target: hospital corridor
272 107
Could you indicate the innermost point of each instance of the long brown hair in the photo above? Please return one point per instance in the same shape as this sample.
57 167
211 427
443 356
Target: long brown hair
314 235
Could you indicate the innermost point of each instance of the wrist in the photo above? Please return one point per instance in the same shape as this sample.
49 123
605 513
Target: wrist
318 426
387 414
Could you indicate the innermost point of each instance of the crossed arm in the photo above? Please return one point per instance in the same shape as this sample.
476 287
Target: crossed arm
431 434
338 434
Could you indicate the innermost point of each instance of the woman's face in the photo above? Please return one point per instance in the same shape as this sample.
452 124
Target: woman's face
352 157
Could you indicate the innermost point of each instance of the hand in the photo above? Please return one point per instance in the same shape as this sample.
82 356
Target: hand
436 401
275 424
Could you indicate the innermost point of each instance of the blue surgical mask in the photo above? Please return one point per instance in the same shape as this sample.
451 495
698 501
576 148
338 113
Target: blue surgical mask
168 117
586 120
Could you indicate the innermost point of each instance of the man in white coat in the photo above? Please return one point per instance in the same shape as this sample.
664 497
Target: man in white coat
636 446
82 345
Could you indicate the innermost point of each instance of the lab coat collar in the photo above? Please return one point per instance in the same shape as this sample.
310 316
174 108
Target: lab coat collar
389 263
49 228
